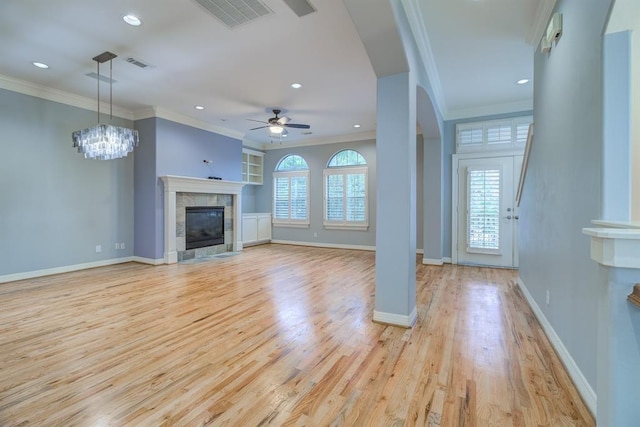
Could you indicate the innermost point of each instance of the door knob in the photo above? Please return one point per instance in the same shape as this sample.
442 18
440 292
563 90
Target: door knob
508 217
516 217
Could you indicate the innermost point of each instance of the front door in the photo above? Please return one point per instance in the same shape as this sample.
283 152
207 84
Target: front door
487 220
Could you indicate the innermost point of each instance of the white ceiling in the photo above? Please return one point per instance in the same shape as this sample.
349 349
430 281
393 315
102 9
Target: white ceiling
479 49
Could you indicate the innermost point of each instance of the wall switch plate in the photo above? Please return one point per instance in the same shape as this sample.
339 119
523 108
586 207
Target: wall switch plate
122 245
98 248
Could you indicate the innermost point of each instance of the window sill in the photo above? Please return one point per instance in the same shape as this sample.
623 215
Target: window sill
288 225
346 227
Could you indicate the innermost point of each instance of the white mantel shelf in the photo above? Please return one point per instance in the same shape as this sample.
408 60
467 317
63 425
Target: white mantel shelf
615 247
184 184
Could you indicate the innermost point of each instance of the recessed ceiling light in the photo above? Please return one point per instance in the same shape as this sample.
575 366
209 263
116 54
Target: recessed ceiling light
356 126
199 107
40 65
296 85
132 20
522 81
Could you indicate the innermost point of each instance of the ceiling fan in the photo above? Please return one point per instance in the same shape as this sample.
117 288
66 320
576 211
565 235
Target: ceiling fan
277 124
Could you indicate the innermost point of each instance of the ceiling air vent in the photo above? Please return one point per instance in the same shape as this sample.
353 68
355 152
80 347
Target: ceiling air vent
137 62
236 12
300 7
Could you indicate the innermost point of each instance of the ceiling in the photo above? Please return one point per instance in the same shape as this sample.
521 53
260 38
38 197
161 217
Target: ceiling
479 50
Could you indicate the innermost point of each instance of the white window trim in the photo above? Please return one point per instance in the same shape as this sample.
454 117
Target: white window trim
346 225
293 223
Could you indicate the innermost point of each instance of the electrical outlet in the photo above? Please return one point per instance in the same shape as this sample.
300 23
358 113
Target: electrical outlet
315 234
122 245
98 248
117 246
548 297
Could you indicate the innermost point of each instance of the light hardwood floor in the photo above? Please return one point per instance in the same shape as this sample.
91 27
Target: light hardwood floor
278 335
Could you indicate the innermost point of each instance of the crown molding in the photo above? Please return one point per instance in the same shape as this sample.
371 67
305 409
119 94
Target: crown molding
416 23
55 95
161 113
540 22
488 110
363 136
252 144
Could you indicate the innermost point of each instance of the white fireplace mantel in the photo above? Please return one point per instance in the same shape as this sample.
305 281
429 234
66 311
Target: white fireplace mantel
183 184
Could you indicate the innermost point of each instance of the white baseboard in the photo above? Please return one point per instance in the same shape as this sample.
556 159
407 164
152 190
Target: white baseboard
396 319
149 261
432 261
63 269
420 251
325 245
447 260
581 383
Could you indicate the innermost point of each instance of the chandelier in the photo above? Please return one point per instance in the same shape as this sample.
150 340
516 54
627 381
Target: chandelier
105 142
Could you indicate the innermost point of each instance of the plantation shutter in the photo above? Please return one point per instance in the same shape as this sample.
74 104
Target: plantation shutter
356 197
335 197
281 190
499 133
470 135
483 219
299 194
522 131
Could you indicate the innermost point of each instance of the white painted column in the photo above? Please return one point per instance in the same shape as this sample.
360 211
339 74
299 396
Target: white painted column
395 292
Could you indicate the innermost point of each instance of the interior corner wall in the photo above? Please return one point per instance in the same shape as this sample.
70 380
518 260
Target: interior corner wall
56 205
433 200
635 124
420 210
562 189
617 161
249 199
147 220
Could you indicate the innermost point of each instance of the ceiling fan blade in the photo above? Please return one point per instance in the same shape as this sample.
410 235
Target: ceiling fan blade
297 126
260 127
259 121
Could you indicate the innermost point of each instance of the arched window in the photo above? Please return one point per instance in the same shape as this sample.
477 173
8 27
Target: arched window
345 191
291 192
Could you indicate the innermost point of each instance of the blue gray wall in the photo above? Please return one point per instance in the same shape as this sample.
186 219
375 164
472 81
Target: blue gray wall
177 150
562 191
56 206
616 183
317 157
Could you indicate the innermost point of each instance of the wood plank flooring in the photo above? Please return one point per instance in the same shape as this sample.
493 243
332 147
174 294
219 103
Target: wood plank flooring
276 335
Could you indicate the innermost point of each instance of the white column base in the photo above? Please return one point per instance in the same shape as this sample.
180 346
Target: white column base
396 319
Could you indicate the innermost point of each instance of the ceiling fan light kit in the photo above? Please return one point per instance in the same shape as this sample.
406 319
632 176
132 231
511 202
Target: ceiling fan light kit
277 125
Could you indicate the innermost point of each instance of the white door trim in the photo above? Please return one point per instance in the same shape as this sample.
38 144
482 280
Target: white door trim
454 190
